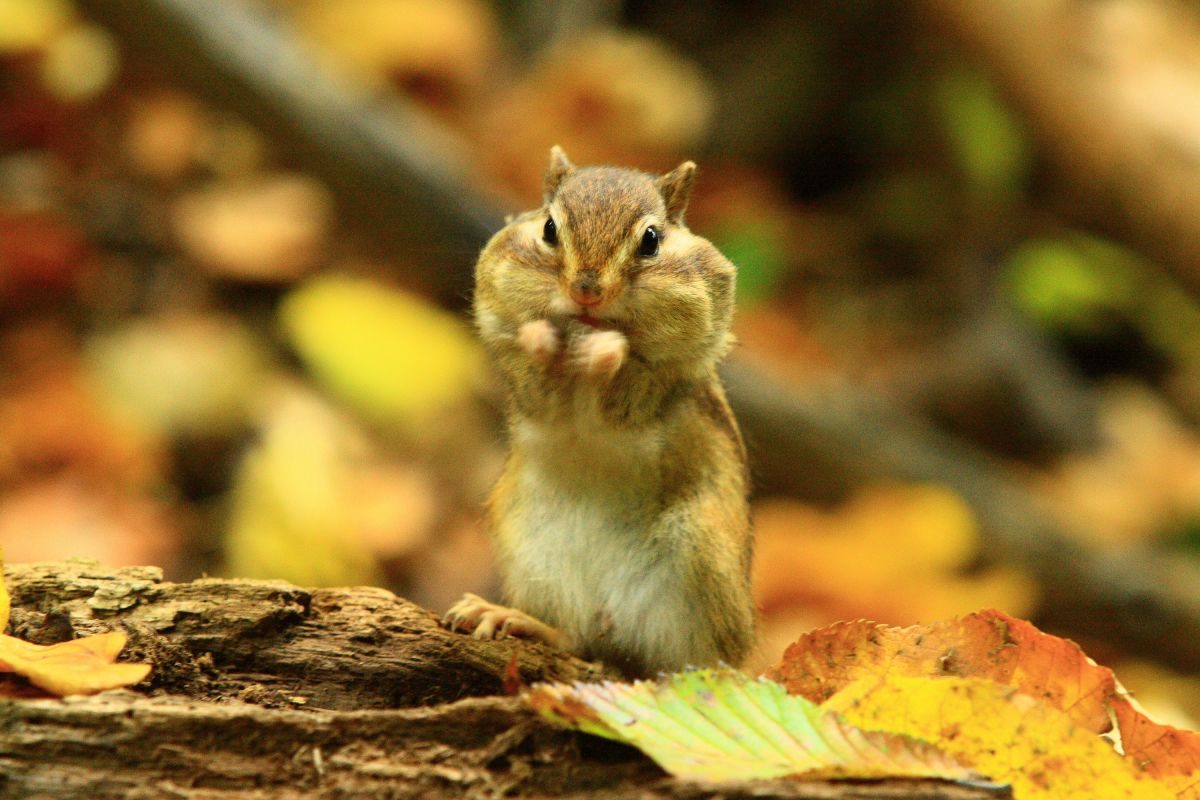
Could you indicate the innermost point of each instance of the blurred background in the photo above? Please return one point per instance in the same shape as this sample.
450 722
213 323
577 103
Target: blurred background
236 242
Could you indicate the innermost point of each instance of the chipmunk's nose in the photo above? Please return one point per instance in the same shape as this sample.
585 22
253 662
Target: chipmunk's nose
585 289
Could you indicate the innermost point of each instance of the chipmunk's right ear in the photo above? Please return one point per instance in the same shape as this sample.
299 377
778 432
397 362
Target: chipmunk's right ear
676 189
560 166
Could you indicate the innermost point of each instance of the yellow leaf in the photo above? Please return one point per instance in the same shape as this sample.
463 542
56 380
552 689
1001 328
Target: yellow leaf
290 517
862 558
80 666
391 355
31 24
1009 737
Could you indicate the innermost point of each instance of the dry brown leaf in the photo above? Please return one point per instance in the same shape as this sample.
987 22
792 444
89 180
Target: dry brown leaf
591 95
270 229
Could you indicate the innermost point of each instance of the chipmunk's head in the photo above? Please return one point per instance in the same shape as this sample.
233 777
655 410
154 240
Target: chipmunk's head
606 227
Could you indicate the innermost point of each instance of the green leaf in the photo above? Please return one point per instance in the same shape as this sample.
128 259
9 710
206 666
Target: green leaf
758 251
985 136
720 724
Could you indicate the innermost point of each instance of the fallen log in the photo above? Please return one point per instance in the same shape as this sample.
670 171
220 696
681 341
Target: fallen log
261 689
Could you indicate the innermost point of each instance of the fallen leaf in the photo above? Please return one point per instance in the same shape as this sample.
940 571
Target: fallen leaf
588 94
165 133
1145 479
80 666
1008 652
32 24
80 63
52 419
723 725
289 516
987 644
182 373
42 255
1163 751
1008 736
441 53
77 517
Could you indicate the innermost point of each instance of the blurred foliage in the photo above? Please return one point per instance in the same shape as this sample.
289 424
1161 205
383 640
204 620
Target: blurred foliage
291 508
986 139
1084 288
359 341
182 375
200 366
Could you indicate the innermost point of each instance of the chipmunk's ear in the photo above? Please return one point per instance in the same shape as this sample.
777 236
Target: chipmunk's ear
558 169
676 188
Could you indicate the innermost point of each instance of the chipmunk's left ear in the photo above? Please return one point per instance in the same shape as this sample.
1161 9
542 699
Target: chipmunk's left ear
676 188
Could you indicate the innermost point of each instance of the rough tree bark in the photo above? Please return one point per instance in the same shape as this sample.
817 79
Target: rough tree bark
261 690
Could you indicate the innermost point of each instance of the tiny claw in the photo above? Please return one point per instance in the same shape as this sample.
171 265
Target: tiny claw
486 629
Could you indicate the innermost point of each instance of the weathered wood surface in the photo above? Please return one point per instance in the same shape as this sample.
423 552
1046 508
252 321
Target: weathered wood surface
265 690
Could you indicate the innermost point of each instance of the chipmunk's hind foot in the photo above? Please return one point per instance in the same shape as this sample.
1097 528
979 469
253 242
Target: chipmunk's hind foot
487 620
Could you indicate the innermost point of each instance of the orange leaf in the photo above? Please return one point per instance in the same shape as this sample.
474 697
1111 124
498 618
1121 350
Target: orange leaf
987 644
80 666
1009 651
1161 750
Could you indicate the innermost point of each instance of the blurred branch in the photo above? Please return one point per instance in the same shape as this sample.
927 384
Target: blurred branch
398 176
823 442
1110 91
995 382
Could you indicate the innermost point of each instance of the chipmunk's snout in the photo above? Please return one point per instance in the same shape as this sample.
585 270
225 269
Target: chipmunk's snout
585 289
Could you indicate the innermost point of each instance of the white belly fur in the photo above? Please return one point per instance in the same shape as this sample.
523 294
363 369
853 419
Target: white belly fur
581 556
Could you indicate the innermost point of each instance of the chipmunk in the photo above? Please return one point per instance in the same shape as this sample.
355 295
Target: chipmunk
621 521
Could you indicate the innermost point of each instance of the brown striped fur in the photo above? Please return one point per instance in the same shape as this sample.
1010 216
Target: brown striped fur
621 516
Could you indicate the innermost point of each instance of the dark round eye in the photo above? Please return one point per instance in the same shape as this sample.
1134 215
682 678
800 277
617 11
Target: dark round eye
649 246
550 232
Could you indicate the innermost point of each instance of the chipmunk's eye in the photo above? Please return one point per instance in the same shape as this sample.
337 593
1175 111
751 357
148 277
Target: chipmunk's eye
550 232
649 246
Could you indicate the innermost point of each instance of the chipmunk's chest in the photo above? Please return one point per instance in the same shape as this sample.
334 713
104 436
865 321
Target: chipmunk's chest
579 524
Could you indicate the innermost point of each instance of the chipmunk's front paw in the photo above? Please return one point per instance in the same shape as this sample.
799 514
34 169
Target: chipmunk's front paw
491 621
540 340
599 355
